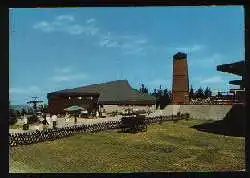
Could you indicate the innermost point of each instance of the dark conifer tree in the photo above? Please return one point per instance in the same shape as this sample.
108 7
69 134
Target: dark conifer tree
199 93
208 92
191 92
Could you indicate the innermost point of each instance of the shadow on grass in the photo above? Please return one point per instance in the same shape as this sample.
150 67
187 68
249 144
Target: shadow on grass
131 131
232 125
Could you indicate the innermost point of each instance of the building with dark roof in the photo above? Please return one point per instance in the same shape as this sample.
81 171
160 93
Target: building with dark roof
114 93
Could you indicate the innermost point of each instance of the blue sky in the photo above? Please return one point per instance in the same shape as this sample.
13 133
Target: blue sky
53 49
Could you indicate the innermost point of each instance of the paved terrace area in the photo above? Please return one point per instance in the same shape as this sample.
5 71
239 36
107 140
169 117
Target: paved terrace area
64 122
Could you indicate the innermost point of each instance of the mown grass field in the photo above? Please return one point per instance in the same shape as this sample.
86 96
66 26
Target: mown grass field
166 147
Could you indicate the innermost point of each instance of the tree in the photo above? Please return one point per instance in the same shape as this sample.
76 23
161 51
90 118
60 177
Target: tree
170 96
208 92
157 94
219 94
44 108
165 92
12 116
199 93
154 93
23 111
191 92
18 113
165 99
143 89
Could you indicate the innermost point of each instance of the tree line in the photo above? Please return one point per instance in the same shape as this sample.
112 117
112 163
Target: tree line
164 96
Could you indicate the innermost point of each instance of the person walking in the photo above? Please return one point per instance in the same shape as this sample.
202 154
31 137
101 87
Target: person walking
45 122
25 122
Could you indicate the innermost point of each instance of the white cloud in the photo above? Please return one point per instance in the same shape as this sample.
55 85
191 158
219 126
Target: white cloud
44 26
143 41
212 80
112 44
190 49
61 23
69 77
25 90
214 59
91 30
134 51
91 20
208 62
75 29
65 17
63 70
129 44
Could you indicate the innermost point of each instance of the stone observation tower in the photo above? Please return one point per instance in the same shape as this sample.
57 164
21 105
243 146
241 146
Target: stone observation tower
180 86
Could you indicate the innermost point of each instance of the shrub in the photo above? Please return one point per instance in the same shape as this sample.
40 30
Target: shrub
114 113
32 119
26 127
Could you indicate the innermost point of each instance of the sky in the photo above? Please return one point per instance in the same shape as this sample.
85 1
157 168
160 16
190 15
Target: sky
57 48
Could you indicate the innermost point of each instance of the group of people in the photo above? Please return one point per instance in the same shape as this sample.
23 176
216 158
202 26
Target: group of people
49 119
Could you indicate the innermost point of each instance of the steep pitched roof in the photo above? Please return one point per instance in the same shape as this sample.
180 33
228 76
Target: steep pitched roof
114 92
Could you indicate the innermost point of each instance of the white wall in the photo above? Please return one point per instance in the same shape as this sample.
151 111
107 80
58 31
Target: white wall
213 112
111 108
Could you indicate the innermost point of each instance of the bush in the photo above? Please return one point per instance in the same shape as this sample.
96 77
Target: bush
32 119
114 113
26 127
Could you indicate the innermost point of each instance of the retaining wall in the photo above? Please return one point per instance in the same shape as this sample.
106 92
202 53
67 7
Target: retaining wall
114 108
206 112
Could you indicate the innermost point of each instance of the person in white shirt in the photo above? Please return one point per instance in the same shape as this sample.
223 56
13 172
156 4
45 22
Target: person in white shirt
48 119
25 120
67 118
97 114
54 119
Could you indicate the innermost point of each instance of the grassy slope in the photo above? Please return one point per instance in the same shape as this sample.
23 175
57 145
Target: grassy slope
167 147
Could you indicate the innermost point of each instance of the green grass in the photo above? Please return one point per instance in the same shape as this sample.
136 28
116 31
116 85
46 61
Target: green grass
166 147
15 126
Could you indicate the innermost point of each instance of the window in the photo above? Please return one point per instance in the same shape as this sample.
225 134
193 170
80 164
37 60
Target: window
90 97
